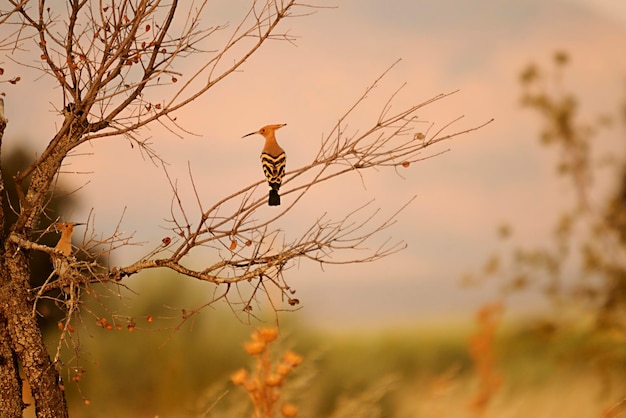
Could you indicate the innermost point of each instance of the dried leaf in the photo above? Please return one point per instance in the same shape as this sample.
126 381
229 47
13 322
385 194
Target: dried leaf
233 245
15 80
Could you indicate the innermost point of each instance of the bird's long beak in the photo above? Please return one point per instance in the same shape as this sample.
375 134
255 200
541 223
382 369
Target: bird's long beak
251 133
78 223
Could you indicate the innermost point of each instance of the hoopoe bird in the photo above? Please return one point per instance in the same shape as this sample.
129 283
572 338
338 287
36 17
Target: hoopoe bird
60 263
273 159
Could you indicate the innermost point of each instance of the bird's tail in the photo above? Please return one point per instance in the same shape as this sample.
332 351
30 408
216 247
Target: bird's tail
274 199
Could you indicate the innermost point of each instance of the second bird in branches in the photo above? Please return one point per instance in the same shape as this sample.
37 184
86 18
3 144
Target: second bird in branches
273 159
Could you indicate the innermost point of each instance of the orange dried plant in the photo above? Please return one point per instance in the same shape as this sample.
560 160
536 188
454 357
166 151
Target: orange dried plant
264 383
482 353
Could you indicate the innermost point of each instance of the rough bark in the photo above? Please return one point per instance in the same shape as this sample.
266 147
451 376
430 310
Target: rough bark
11 404
21 339
27 340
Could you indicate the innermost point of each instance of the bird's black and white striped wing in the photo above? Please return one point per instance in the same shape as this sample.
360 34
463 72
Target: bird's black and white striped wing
274 168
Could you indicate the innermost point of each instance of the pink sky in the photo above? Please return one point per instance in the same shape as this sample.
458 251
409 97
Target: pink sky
494 175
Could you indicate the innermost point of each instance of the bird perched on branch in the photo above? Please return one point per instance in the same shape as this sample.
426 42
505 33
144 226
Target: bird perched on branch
64 245
273 159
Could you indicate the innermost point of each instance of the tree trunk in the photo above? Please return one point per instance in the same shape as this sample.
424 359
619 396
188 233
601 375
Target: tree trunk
27 341
11 404
21 340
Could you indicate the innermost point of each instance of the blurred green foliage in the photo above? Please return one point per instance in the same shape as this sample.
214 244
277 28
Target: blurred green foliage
582 268
155 370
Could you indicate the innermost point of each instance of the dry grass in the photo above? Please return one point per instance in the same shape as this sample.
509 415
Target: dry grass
561 396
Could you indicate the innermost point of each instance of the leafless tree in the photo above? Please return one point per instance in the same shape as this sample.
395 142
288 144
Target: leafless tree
105 58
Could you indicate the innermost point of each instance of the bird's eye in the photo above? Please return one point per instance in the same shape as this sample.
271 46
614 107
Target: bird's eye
263 130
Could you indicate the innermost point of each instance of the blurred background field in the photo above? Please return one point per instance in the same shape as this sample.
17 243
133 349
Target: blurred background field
154 370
